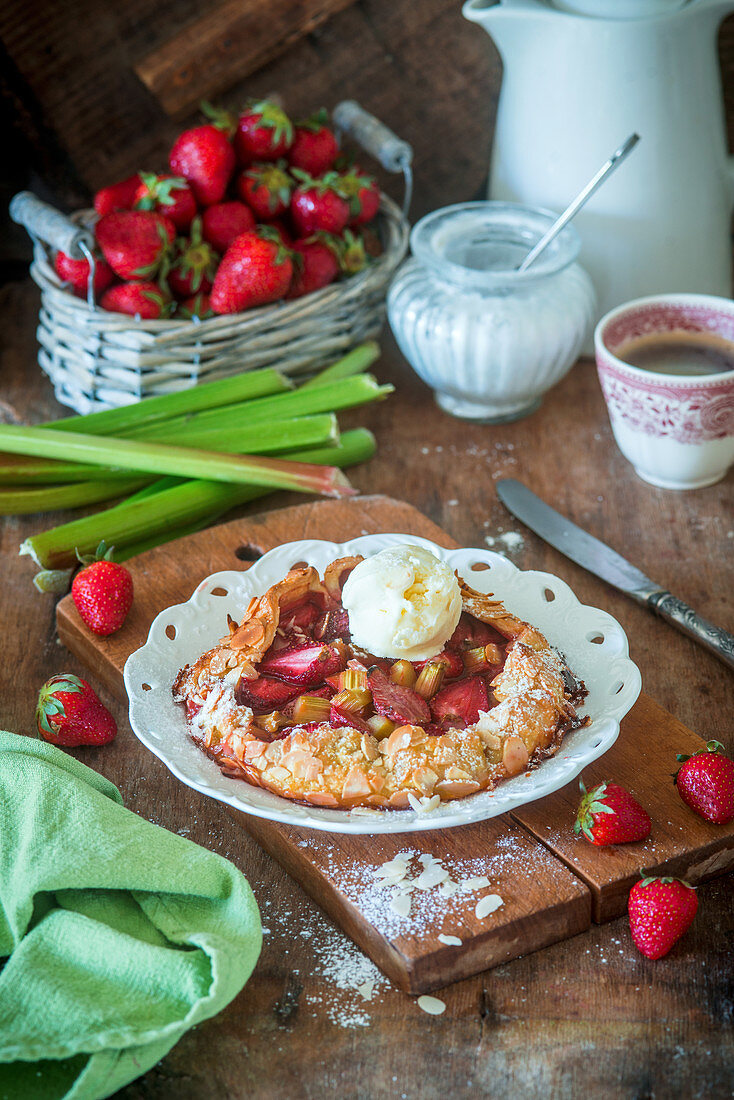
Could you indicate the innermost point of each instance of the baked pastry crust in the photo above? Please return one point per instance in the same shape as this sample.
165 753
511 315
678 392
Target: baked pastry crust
344 766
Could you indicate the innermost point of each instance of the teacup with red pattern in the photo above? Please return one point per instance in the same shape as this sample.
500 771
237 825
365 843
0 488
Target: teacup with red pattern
676 429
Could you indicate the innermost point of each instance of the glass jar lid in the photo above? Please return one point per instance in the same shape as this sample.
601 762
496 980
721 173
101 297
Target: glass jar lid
479 245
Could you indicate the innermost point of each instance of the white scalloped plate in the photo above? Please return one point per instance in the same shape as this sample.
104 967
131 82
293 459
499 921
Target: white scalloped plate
593 642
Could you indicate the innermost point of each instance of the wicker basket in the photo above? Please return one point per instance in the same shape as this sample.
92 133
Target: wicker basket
97 359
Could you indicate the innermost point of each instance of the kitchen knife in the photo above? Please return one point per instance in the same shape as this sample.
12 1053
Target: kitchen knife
606 563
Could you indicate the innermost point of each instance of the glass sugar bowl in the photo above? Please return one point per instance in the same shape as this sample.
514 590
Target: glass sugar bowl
490 340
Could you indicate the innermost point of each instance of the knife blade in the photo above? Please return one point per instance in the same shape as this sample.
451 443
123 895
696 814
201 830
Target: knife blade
592 554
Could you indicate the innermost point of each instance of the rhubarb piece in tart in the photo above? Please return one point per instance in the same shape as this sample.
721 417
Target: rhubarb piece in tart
389 680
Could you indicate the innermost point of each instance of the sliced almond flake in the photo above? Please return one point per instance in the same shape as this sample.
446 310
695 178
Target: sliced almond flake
423 805
448 889
432 876
365 990
478 883
432 1005
427 859
400 904
450 941
366 811
488 904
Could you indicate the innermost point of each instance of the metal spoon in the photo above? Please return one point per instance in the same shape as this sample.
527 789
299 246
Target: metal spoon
604 172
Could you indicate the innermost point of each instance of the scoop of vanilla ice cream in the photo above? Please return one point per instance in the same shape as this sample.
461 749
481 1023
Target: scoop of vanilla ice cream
403 602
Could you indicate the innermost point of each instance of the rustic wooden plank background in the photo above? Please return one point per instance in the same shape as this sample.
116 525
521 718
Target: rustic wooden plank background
587 1017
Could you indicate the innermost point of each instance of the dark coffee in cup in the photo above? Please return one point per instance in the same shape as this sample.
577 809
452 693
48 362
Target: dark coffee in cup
681 353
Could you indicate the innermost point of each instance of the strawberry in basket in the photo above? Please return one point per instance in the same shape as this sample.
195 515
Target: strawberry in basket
76 273
363 194
318 204
145 300
314 147
135 243
118 196
194 266
224 221
198 305
316 264
204 156
266 188
264 132
169 195
256 269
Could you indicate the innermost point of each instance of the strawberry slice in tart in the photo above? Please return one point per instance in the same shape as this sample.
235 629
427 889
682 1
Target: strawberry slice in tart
388 677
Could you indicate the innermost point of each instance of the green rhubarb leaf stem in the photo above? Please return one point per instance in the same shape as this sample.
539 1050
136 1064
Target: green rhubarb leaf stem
228 437
207 395
355 362
189 462
130 522
52 498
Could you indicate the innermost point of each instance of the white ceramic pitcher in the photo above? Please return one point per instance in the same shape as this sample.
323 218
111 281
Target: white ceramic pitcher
577 81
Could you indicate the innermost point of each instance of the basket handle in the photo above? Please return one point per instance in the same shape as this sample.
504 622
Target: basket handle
44 222
393 153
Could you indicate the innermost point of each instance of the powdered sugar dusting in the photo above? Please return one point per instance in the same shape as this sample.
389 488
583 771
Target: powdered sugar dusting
342 982
419 894
505 542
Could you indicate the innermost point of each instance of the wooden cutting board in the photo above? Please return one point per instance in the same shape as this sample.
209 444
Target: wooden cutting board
551 883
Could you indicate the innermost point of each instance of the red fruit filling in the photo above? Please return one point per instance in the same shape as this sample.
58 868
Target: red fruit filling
304 667
263 695
471 633
302 616
400 704
454 663
335 624
324 692
461 701
339 717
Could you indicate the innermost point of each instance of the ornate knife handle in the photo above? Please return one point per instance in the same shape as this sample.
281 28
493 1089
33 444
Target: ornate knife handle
713 638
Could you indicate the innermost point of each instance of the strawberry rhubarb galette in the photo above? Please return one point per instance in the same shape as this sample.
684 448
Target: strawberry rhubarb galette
390 684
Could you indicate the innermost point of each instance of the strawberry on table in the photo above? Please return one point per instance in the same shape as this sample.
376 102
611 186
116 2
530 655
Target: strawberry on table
135 242
660 911
102 592
255 270
69 713
318 204
204 156
705 782
224 221
144 300
194 266
363 195
608 814
264 132
266 188
118 196
169 195
316 264
76 272
314 147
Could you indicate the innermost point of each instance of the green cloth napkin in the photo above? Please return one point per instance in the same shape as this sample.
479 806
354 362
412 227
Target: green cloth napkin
120 935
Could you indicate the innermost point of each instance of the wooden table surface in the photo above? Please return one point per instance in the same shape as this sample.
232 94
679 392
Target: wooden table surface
589 1017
